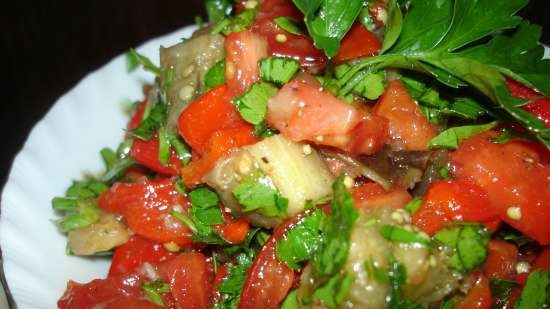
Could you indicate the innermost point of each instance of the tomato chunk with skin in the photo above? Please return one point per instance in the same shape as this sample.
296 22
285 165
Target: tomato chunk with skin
358 42
146 207
372 195
130 303
408 127
134 253
219 145
501 260
146 153
243 52
268 280
233 230
299 47
450 200
302 112
189 280
540 107
209 113
515 176
479 296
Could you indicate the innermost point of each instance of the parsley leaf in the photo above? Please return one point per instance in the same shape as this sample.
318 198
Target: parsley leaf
397 278
154 289
291 301
396 233
215 76
253 104
135 59
235 23
451 138
261 196
333 292
218 9
154 120
328 21
413 205
337 231
302 241
469 242
278 70
536 293
448 44
288 24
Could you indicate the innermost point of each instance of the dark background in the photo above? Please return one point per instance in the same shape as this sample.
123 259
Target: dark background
48 46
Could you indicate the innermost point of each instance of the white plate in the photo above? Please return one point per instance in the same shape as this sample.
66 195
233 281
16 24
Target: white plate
60 147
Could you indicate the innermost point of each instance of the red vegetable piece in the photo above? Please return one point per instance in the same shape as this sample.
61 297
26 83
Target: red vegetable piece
358 42
408 127
146 153
189 280
219 145
209 113
540 107
515 176
479 295
134 253
299 47
372 195
451 200
269 280
501 260
243 52
146 206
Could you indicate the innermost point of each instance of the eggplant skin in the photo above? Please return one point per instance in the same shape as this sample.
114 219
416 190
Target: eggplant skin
298 176
190 61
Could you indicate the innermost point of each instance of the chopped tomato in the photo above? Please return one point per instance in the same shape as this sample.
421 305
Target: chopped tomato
146 206
243 52
303 112
501 260
100 291
209 113
452 200
138 115
516 178
134 253
125 302
219 145
372 195
234 230
269 280
146 153
542 262
189 280
358 42
479 295
408 127
539 107
299 47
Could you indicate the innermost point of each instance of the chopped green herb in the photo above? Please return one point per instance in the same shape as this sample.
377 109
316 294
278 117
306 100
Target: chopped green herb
451 138
218 9
215 76
86 213
164 146
328 21
231 287
289 24
253 104
182 150
262 130
337 231
118 170
152 122
414 205
135 59
261 196
444 172
379 274
334 291
109 157
302 241
291 301
278 70
536 293
154 290
469 241
396 233
236 23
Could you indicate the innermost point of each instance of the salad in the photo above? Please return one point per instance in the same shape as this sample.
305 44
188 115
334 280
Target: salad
328 154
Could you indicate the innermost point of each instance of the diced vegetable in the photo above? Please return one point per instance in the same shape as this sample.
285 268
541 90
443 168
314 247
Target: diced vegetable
99 237
358 42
